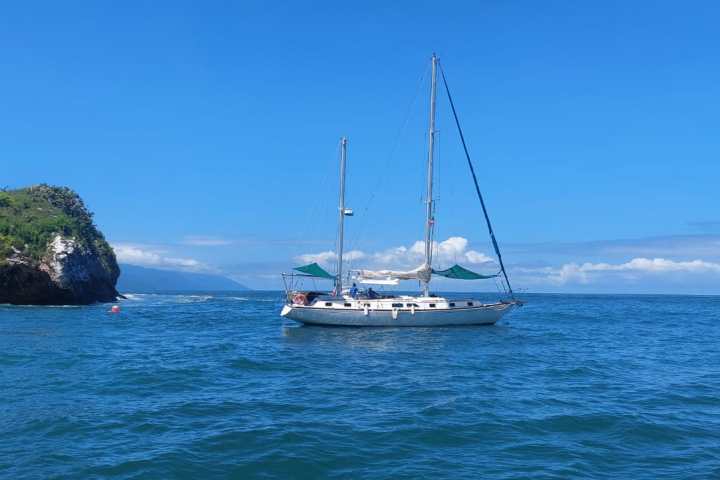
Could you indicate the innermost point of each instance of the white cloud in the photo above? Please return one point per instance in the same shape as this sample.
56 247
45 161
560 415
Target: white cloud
676 264
201 241
454 249
323 258
635 268
476 257
445 253
329 257
148 257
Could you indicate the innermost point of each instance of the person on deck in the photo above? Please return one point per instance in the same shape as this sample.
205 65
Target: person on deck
353 291
372 293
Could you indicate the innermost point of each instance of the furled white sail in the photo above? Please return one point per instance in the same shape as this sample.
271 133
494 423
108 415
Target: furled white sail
379 281
422 272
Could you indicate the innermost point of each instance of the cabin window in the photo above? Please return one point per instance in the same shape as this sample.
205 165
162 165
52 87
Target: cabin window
470 304
397 305
432 305
328 304
367 305
452 304
412 305
348 304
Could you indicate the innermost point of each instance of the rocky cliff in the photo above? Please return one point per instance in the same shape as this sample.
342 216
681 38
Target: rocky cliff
51 253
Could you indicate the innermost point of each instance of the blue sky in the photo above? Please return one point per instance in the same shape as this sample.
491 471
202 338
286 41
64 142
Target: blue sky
204 134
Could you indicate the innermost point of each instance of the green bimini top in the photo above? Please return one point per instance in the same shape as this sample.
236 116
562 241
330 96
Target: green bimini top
314 270
460 273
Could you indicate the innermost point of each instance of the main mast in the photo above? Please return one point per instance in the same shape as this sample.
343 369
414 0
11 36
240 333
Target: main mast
341 216
429 221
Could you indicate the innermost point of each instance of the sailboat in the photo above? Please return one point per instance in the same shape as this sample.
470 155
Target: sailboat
351 307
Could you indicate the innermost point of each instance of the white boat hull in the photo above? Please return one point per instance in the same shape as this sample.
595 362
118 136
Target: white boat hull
478 315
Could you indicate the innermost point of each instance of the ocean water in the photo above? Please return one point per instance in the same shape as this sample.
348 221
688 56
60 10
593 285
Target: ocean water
217 385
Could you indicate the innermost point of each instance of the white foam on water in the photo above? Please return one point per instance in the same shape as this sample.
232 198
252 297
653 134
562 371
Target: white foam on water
191 298
133 296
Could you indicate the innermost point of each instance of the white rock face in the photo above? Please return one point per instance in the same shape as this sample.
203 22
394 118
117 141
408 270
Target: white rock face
16 257
69 265
58 250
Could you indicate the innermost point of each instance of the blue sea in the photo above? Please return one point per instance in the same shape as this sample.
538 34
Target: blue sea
217 385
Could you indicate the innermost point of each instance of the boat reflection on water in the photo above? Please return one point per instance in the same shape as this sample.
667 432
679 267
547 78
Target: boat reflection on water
411 340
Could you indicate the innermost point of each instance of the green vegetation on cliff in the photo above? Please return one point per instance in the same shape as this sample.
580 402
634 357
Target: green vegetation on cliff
31 217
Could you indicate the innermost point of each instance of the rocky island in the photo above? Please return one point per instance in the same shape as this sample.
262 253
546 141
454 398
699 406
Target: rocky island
51 252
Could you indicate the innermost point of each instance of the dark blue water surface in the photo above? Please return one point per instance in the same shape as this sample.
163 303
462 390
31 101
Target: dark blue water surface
219 386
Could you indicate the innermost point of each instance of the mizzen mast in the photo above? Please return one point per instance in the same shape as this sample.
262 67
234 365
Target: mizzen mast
342 211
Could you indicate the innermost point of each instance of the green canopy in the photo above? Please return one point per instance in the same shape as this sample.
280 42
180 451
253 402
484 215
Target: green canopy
460 273
314 270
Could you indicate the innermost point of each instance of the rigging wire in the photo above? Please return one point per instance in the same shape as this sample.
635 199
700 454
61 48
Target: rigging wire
436 191
317 207
363 225
477 187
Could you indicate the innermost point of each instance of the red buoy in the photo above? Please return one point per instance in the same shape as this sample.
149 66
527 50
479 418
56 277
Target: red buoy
115 309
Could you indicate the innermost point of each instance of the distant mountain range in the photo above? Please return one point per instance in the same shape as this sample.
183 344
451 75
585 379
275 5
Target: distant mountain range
134 279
